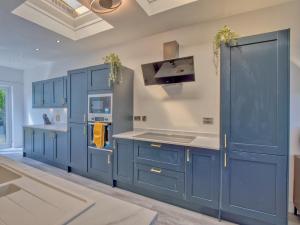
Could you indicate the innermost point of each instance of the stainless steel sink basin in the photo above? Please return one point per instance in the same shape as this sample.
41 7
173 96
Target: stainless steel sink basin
166 137
7 175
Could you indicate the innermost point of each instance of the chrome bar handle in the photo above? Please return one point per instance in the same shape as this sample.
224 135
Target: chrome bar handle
188 155
153 170
108 159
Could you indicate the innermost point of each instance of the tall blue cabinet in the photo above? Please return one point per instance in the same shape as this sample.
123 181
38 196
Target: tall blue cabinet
255 129
77 120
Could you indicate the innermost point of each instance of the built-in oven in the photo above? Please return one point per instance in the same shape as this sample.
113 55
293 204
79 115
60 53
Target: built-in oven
107 136
100 107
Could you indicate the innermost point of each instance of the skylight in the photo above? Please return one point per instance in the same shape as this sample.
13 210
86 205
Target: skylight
77 6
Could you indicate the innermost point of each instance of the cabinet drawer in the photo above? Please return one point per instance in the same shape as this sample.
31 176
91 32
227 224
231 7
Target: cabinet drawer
159 180
160 155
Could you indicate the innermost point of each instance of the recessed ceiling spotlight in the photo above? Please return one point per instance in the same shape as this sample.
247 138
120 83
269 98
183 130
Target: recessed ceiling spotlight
58 41
37 49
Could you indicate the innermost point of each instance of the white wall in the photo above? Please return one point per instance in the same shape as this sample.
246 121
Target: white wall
14 79
201 98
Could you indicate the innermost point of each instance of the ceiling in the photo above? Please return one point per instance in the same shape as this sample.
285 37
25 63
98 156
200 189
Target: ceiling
19 38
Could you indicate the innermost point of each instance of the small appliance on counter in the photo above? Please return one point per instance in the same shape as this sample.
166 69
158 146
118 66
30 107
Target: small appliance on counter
46 119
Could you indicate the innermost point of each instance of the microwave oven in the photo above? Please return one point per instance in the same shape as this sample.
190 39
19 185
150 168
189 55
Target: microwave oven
100 107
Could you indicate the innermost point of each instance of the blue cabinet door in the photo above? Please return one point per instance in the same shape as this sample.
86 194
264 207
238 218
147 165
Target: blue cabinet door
66 88
61 148
28 141
159 180
100 165
254 186
37 94
98 78
49 145
254 127
78 147
123 161
77 96
38 143
203 177
255 95
59 95
48 93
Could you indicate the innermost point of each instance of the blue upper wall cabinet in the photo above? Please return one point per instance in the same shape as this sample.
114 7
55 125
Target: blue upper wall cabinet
59 92
98 78
255 128
37 94
77 96
50 93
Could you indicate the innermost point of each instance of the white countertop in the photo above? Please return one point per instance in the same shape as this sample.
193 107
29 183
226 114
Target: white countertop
106 210
62 127
209 141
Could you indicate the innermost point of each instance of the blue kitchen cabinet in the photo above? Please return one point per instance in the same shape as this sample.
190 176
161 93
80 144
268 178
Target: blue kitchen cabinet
37 94
49 145
77 144
48 93
98 78
100 165
160 155
255 129
159 181
254 186
59 92
66 88
38 143
27 141
203 177
61 148
77 96
123 161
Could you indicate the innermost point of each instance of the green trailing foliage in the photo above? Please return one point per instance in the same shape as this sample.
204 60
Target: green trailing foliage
226 36
115 68
2 100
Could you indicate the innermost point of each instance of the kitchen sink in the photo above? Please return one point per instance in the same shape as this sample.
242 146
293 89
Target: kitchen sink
8 189
7 175
166 137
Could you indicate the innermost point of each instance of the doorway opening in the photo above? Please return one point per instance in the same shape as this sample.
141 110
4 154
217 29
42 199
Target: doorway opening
5 117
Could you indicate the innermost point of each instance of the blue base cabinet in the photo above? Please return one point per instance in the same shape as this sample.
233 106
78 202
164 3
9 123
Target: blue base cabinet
77 144
203 177
123 161
61 148
100 164
27 141
253 185
47 146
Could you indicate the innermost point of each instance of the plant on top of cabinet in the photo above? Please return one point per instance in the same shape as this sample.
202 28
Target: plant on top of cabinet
115 68
226 36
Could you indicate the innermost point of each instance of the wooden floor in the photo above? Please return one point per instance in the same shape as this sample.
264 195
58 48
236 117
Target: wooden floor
167 214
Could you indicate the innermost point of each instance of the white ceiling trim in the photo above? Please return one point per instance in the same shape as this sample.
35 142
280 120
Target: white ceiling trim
152 7
44 18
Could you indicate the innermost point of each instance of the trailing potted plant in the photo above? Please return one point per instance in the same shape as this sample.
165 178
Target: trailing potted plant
115 75
226 36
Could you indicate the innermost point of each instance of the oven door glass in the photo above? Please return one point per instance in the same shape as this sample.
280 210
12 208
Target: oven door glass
100 105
